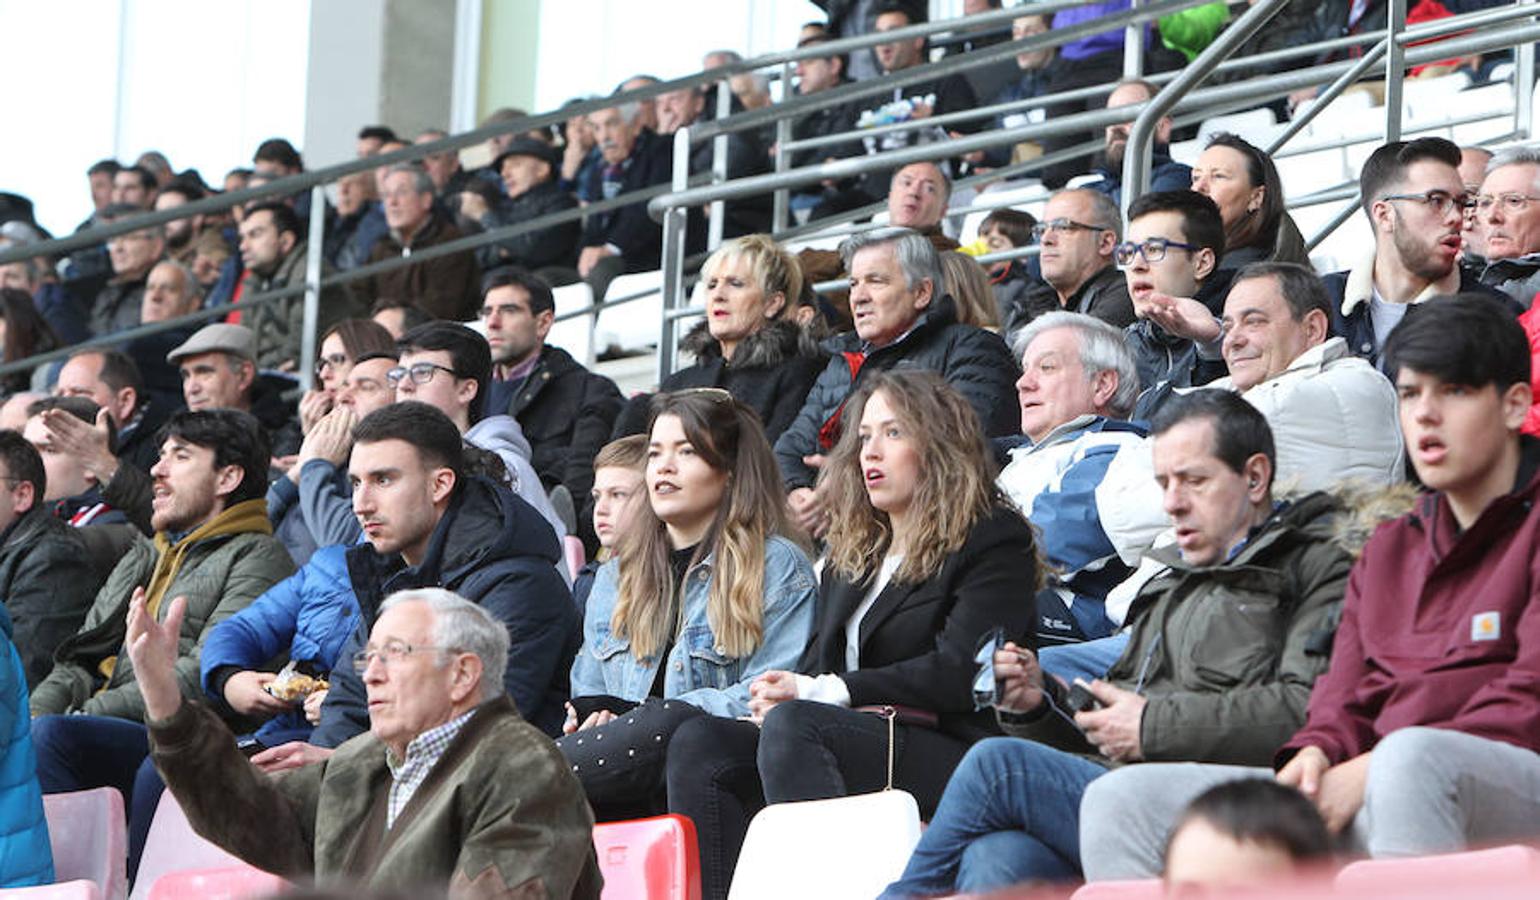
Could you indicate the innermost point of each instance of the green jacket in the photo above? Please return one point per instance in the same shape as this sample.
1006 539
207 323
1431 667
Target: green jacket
1229 652
279 325
500 814
220 576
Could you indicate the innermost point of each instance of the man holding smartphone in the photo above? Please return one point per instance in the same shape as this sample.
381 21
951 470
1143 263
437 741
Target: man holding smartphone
1224 647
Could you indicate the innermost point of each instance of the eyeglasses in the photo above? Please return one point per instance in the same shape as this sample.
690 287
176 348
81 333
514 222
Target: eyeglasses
335 360
1043 228
1152 249
390 653
1438 201
1512 202
421 373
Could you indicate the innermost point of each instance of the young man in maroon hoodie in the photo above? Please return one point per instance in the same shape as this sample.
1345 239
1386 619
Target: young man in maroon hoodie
1423 736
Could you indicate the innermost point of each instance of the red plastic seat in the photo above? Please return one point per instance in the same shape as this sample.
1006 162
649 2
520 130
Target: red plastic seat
649 859
79 889
89 837
173 846
1468 870
231 883
1137 889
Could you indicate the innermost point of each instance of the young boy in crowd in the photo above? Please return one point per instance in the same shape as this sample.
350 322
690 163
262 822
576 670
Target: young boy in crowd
1007 229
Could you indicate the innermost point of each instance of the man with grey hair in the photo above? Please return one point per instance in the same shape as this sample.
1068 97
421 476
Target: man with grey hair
1077 388
633 157
446 287
116 307
462 792
1508 222
902 319
1079 232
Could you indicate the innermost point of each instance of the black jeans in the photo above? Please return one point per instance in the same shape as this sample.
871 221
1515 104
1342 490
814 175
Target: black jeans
805 751
621 764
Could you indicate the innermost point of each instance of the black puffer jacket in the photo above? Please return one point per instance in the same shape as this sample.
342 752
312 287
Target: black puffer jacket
771 371
974 361
47 584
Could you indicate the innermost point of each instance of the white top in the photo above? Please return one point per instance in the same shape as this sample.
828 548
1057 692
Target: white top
829 688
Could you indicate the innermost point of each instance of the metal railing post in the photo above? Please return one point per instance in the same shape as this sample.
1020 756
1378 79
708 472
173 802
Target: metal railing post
1332 92
1395 69
1524 86
314 251
674 233
1133 47
780 203
724 100
1136 156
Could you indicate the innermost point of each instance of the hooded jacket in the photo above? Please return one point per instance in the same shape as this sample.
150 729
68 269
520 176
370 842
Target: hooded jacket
1226 654
974 361
771 372
491 548
26 856
1440 628
47 583
306 617
502 435
221 572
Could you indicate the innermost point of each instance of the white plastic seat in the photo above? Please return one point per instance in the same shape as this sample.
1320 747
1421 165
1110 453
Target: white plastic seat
846 847
633 326
1245 124
576 336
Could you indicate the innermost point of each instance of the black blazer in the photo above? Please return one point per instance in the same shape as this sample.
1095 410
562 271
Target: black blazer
917 640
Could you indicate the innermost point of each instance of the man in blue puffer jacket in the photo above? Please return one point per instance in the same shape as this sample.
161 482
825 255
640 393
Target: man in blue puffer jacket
26 857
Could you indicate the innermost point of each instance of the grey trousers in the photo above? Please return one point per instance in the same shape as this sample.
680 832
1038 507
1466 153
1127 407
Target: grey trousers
1429 790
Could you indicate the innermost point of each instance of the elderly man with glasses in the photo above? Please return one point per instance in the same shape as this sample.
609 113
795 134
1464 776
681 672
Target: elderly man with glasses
450 780
1414 198
1507 213
1078 232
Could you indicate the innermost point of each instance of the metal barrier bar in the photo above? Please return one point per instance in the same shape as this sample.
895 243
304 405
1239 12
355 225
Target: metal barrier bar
674 225
719 166
1136 156
1395 70
312 316
1524 85
1332 92
1133 47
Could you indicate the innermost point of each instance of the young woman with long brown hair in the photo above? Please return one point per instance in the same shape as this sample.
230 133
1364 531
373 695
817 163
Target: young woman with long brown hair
708 589
925 558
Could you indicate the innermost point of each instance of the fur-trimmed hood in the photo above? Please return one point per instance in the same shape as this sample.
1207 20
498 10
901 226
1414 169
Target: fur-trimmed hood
770 346
1365 507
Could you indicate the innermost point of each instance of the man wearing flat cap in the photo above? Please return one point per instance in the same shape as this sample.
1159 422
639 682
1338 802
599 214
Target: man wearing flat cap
529 170
218 366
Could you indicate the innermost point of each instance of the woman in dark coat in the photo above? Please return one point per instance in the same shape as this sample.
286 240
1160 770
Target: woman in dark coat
925 558
753 343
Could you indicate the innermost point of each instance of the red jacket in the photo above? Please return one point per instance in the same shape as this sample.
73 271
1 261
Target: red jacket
1438 629
1531 322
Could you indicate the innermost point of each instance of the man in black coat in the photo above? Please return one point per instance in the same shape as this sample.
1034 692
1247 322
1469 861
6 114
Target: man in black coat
565 410
528 169
625 239
428 524
902 319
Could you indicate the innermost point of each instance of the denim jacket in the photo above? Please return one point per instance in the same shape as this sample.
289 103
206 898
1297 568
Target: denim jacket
698 673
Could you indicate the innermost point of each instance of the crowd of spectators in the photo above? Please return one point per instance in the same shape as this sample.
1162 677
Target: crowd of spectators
1245 551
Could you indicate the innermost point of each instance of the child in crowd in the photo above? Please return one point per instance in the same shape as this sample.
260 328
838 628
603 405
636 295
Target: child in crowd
1241 834
1007 229
617 486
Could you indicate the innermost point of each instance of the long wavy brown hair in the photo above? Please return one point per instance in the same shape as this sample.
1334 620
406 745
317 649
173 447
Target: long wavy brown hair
957 479
728 436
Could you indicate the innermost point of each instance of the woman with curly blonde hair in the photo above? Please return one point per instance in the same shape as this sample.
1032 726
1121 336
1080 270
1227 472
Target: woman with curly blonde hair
709 587
925 559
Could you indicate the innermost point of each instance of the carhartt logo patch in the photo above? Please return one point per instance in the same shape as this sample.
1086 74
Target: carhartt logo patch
1485 626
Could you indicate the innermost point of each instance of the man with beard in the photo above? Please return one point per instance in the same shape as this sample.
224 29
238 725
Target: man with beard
274 253
180 232
1165 173
1412 193
213 547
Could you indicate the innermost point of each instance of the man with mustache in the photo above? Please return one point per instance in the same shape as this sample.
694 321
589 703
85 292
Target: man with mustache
1412 193
1508 223
625 239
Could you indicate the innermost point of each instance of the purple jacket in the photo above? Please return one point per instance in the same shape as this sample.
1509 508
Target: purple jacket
1096 43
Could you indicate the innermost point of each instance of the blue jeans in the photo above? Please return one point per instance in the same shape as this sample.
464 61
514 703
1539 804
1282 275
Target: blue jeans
1010 814
1089 660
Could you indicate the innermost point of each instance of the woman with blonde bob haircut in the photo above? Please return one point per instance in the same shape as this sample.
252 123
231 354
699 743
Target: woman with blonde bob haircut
709 588
754 342
925 559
